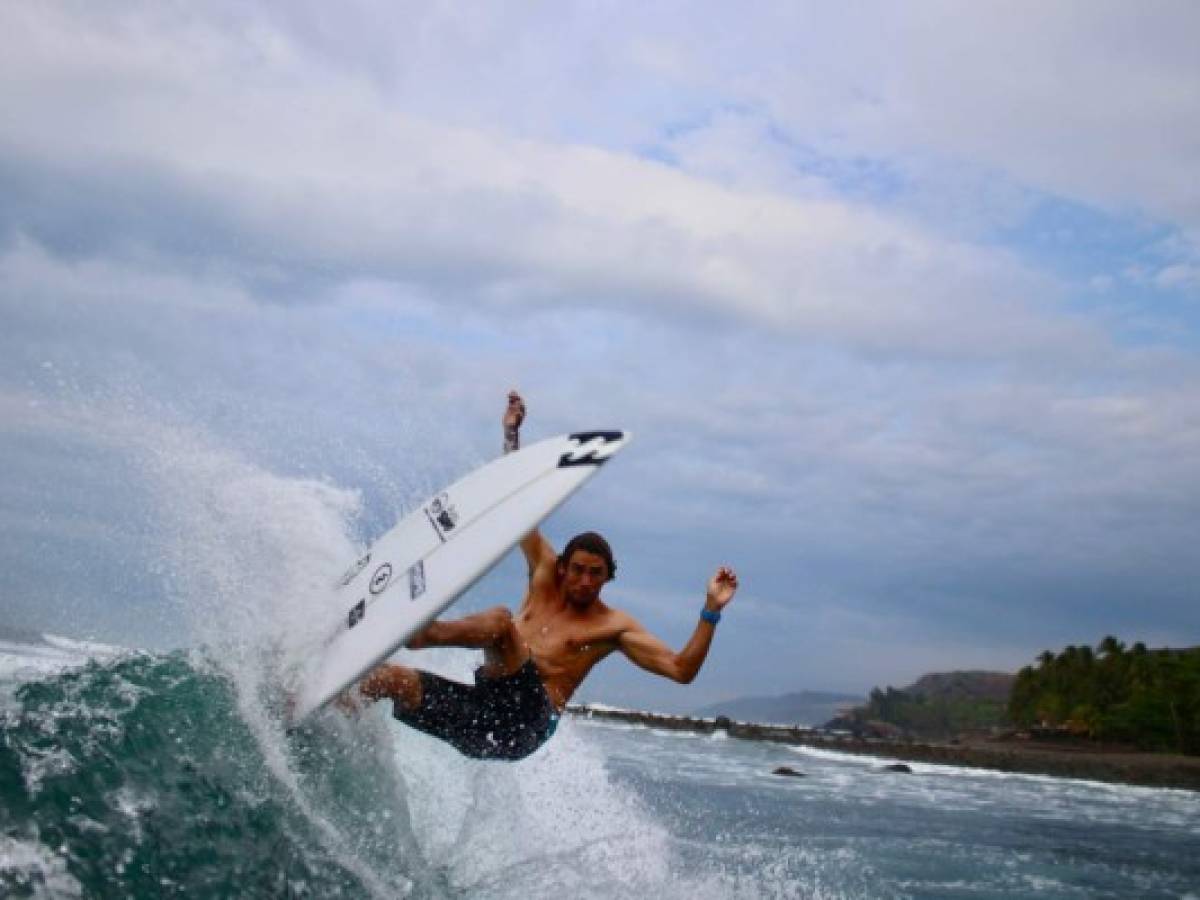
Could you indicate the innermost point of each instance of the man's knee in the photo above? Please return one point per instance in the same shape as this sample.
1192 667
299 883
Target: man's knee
502 625
506 650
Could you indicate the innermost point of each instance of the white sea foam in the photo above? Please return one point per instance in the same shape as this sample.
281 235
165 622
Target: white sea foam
608 724
31 866
1041 797
21 661
554 824
133 805
85 649
35 659
38 764
949 771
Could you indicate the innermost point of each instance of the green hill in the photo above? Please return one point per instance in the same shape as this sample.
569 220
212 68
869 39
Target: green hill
965 685
938 705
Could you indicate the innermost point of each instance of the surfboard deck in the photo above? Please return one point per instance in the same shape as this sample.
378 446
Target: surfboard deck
420 567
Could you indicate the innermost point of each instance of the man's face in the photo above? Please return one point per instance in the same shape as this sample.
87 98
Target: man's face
583 576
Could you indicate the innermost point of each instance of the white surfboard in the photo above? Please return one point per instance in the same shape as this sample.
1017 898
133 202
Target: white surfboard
429 560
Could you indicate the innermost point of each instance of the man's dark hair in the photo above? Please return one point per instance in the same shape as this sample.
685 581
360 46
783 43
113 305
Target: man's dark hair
590 542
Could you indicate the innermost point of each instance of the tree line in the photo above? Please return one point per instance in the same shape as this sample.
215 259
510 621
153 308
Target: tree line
1128 695
1149 698
926 716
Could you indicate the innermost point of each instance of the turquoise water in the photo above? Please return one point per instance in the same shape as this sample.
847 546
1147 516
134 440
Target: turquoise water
129 774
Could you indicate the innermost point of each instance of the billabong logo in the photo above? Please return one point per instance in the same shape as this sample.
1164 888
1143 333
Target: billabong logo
381 579
594 447
442 514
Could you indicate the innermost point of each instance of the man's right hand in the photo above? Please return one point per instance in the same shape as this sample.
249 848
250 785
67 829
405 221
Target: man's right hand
514 415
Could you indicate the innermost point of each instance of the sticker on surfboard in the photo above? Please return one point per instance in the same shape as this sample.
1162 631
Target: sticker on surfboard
353 571
594 448
442 514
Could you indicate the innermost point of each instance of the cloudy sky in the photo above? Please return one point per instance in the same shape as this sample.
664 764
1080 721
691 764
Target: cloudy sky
901 302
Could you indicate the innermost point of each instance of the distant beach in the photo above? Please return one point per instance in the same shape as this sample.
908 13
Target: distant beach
1008 753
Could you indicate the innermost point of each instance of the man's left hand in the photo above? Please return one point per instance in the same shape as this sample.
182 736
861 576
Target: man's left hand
721 589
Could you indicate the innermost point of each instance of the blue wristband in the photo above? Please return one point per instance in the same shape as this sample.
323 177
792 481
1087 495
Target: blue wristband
712 618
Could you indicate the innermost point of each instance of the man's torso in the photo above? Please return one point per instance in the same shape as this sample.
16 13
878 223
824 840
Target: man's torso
566 643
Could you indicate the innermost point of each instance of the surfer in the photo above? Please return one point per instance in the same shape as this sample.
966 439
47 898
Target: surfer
535 660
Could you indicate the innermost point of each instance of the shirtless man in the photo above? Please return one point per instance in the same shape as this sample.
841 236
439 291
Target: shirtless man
533 662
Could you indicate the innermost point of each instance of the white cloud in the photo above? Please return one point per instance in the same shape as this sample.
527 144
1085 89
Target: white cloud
282 167
1094 102
1178 275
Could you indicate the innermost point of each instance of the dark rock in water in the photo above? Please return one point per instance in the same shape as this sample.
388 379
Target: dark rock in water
787 770
897 767
723 722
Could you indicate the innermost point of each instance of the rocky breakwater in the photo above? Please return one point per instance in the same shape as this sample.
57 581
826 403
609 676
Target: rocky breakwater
783 734
1006 754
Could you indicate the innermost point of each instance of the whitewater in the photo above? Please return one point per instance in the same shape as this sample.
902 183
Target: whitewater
128 772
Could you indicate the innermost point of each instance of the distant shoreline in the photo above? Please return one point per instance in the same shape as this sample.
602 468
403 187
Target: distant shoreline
1160 770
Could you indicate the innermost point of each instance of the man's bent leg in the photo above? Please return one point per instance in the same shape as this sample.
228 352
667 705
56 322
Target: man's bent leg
493 631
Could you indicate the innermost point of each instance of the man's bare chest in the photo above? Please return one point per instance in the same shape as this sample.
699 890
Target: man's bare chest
559 640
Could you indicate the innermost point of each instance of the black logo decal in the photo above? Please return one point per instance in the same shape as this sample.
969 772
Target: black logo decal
593 448
353 571
357 611
416 580
442 514
381 579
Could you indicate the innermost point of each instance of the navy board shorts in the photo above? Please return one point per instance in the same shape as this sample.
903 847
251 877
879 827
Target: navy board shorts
495 718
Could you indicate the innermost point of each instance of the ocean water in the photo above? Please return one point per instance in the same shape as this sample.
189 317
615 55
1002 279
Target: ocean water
154 775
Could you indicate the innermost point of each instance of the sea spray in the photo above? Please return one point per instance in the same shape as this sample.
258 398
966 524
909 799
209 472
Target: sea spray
251 555
245 558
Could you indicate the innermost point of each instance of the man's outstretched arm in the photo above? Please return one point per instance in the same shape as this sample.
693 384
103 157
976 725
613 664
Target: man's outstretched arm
645 650
536 548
